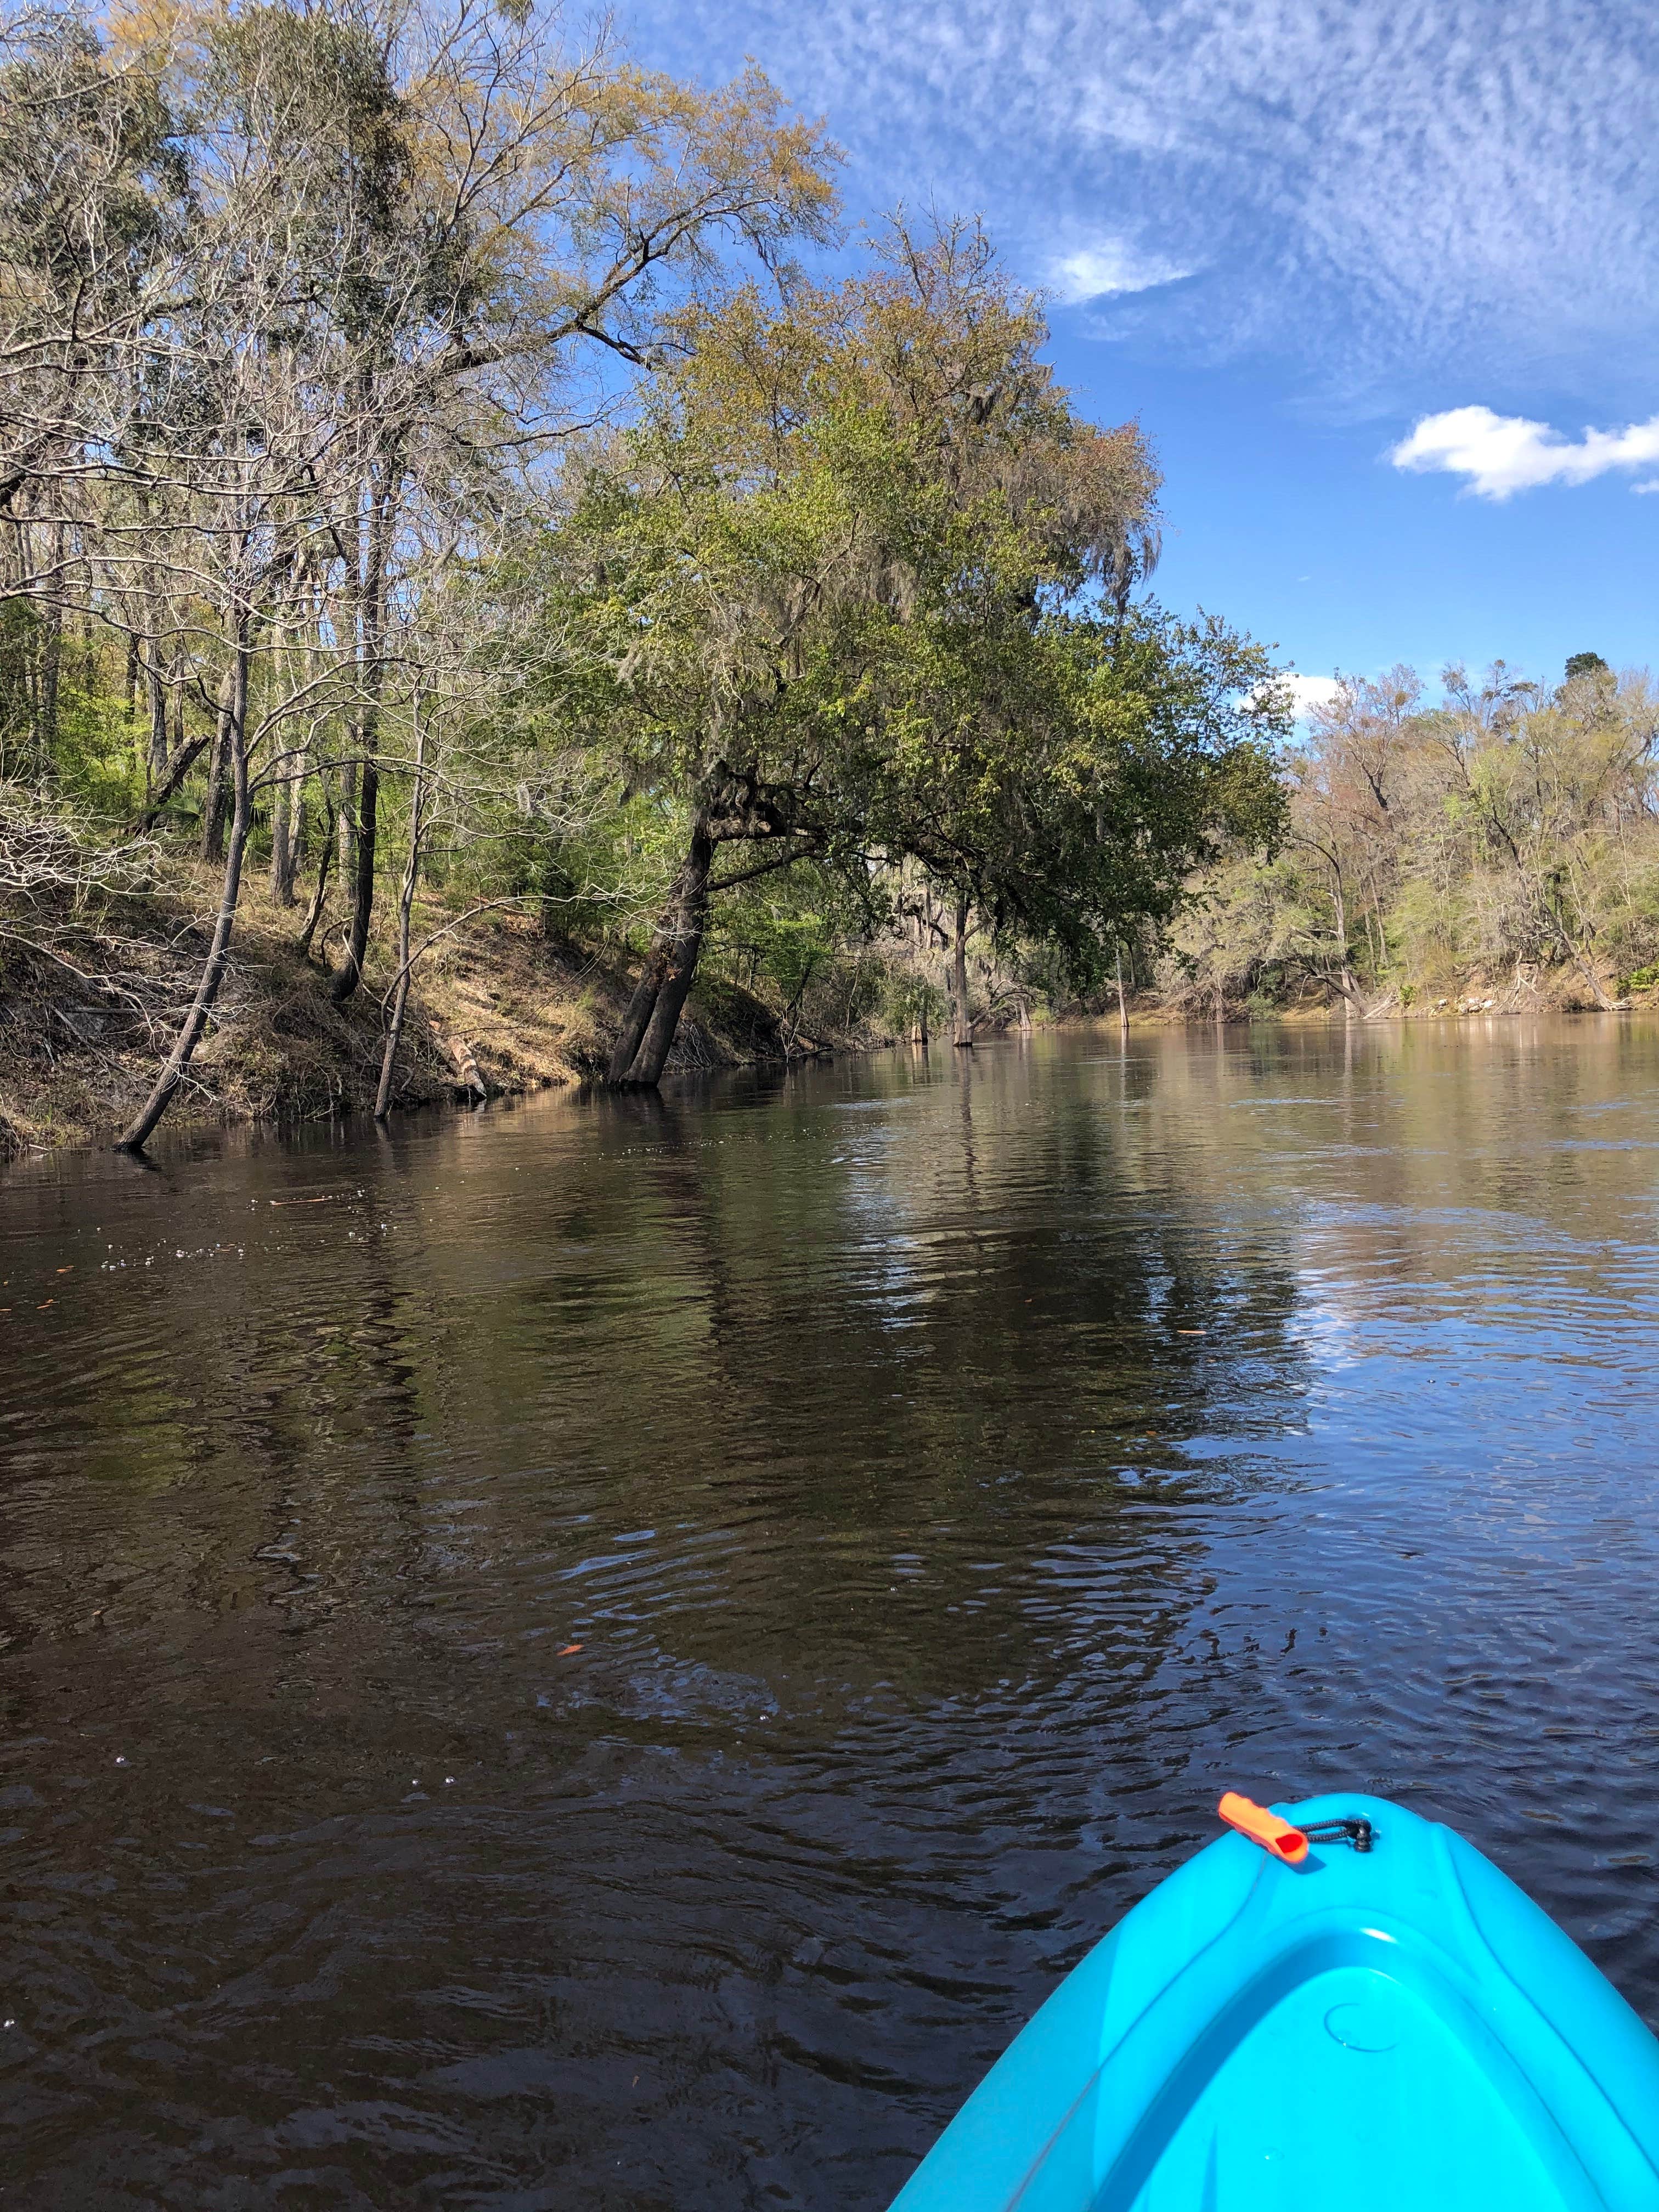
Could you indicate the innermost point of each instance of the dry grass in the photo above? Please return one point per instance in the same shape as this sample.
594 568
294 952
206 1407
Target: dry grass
85 1025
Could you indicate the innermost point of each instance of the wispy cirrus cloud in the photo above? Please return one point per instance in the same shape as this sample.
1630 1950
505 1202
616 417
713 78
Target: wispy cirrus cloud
1378 187
1498 455
1107 269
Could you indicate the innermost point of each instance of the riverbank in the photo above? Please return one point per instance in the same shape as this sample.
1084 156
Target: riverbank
88 1011
89 1003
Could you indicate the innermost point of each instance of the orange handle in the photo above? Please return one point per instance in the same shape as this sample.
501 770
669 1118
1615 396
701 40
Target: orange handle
1276 1837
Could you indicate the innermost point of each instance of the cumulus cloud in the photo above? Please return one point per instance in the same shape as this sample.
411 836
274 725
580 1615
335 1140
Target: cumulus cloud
1499 454
1306 692
1310 692
1108 268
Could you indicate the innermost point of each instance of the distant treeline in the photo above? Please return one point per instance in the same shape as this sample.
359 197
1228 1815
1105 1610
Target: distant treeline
1498 843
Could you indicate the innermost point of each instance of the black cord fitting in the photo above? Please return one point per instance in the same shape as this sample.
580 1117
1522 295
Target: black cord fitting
1353 1830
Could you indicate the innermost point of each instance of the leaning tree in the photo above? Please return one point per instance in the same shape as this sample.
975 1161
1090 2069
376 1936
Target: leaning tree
852 597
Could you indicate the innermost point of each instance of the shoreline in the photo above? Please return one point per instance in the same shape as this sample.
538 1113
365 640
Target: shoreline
83 1033
529 1016
87 1019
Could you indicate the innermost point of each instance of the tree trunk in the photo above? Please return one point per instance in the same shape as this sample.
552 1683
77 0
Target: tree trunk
671 999
395 1026
287 820
155 692
405 908
1349 989
282 880
347 823
52 661
1374 936
653 1011
368 787
324 855
1122 1005
212 810
213 973
363 882
466 1065
919 1019
962 1030
184 757
624 1051
1580 963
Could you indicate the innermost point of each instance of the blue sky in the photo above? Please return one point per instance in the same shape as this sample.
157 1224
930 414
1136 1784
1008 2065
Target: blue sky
1368 273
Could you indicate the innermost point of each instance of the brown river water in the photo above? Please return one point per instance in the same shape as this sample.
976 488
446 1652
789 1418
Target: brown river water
610 1654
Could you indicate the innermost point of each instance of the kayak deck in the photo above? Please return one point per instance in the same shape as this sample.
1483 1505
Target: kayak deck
1349 2081
1403 2023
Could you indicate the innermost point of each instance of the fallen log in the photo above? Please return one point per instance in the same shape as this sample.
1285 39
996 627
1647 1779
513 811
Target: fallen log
471 1077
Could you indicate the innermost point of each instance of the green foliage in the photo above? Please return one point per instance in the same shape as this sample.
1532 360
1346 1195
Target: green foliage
20 635
848 603
777 933
1504 830
876 612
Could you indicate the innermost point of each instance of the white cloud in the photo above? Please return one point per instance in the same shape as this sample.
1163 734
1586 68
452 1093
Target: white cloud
1098 271
1306 692
1652 484
1504 453
1310 692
